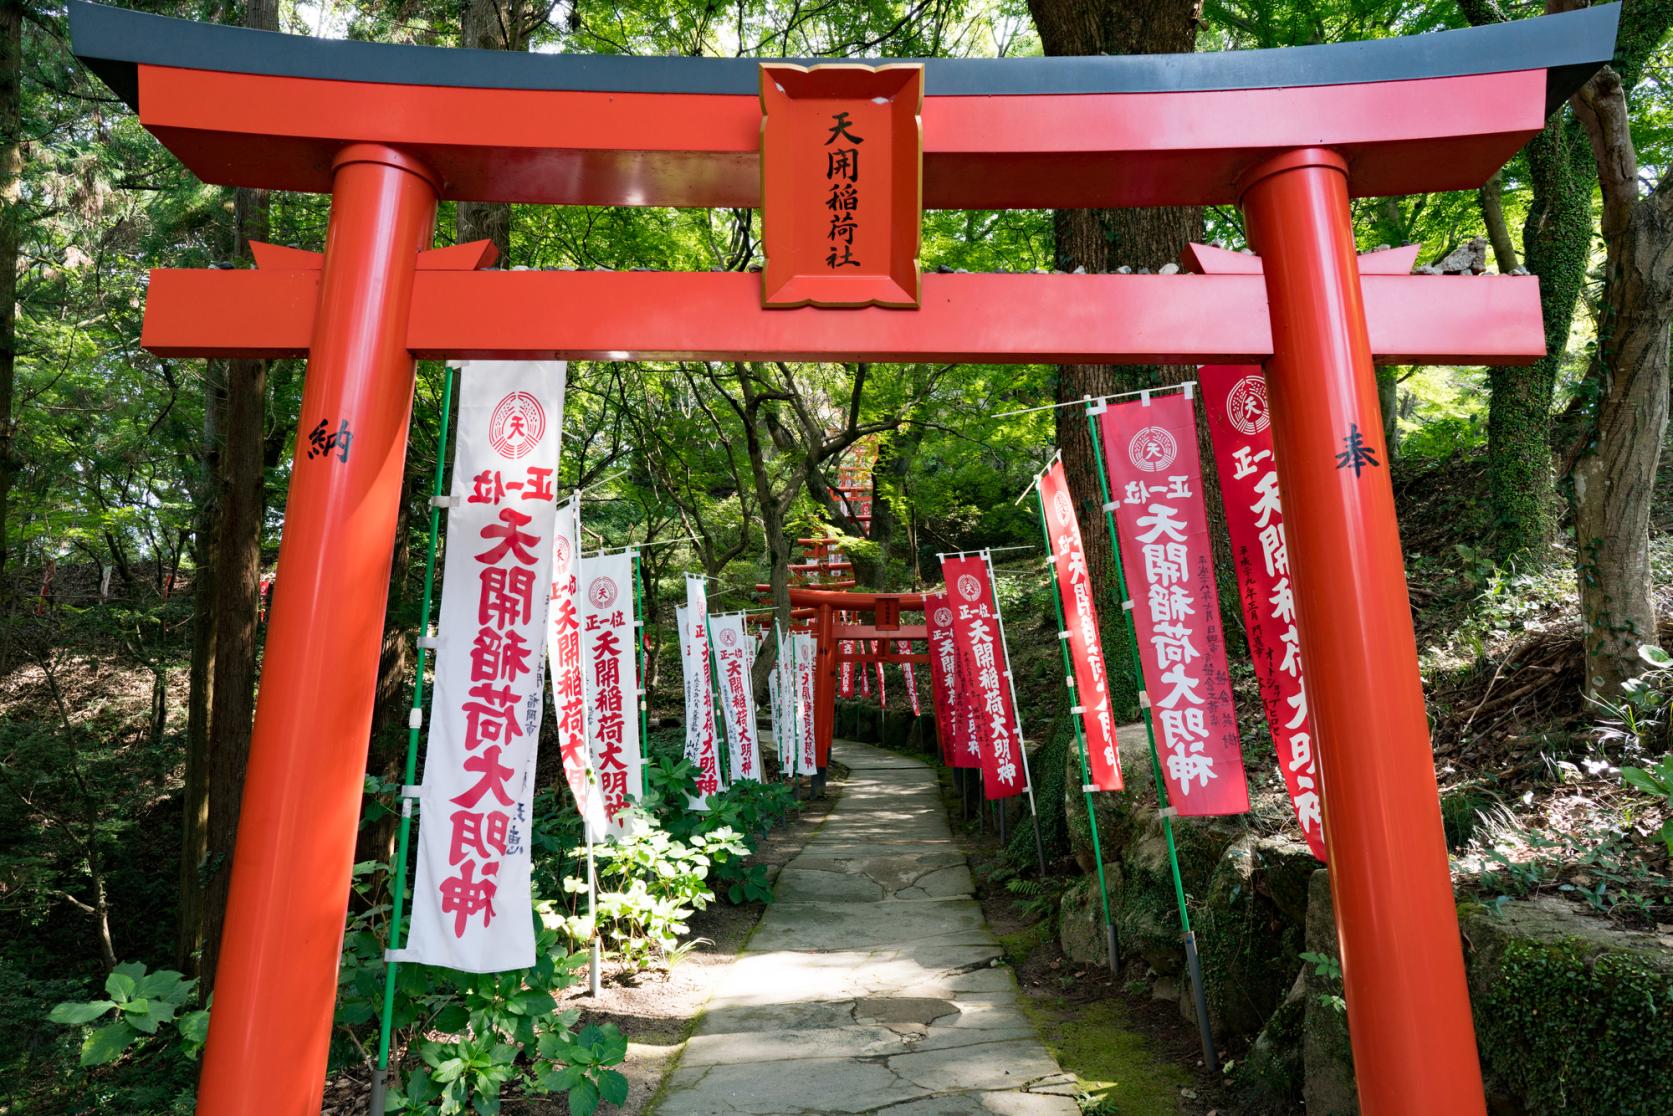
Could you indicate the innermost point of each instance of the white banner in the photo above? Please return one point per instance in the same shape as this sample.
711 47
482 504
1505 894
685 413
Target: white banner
699 690
735 658
807 761
470 905
611 680
569 686
781 684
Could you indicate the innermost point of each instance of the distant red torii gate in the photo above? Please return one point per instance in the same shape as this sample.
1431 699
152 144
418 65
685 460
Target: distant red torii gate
1289 136
826 606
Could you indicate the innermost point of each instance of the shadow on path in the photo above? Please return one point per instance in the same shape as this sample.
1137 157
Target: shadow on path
870 985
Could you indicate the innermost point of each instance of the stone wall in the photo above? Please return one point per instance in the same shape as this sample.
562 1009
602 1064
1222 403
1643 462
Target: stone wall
1573 1016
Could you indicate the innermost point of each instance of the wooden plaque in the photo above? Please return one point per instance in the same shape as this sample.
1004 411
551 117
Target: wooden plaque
841 184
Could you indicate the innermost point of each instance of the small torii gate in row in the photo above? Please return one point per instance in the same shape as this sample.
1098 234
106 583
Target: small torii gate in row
841 159
823 612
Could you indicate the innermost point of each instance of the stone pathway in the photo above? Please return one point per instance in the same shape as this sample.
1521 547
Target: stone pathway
869 986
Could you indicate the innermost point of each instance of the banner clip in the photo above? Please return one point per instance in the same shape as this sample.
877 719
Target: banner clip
1126 606
444 501
1088 788
1078 710
427 643
412 791
1144 700
1168 812
415 717
1062 635
1112 505
1097 407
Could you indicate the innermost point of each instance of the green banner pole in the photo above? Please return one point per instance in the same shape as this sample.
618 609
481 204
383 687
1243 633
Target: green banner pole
642 687
1080 734
380 1080
1193 964
722 741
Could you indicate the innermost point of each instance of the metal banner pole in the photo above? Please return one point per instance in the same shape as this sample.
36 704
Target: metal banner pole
642 687
722 741
415 719
1076 714
1016 717
1192 965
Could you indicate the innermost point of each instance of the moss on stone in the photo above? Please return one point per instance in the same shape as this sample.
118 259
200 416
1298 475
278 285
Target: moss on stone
1568 1027
1112 1061
1268 1081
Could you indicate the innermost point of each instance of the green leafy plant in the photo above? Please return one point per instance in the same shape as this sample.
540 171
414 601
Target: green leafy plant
1329 970
140 1003
1657 782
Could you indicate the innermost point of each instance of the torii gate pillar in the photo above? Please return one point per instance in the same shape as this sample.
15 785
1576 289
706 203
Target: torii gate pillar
302 794
1402 965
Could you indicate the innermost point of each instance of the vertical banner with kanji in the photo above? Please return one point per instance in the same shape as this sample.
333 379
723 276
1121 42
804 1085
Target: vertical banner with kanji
909 676
1155 479
700 745
953 725
805 651
471 906
981 667
1080 618
1235 398
611 678
735 656
569 683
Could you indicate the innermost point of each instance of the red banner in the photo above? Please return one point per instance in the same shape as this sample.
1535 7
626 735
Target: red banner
1235 399
981 664
1155 476
1080 618
954 715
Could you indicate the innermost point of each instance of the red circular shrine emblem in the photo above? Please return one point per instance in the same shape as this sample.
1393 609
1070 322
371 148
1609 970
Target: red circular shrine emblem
1246 406
728 637
560 554
602 592
516 425
1152 449
944 617
968 587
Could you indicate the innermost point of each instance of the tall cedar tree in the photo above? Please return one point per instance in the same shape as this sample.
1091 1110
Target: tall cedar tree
243 507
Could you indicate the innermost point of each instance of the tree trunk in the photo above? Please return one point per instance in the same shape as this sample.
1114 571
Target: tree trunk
1556 242
1614 477
237 577
11 167
194 812
490 25
1613 472
1102 241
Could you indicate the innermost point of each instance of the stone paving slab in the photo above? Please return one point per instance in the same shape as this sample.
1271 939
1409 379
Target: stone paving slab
872 984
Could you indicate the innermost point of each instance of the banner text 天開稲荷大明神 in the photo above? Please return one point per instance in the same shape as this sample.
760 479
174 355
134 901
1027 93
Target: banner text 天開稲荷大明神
1080 618
611 674
985 675
1155 479
1234 396
471 907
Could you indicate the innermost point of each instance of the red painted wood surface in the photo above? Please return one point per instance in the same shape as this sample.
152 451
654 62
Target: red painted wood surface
1016 319
683 149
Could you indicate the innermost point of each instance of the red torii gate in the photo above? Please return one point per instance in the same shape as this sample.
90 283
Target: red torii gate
823 609
1287 135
